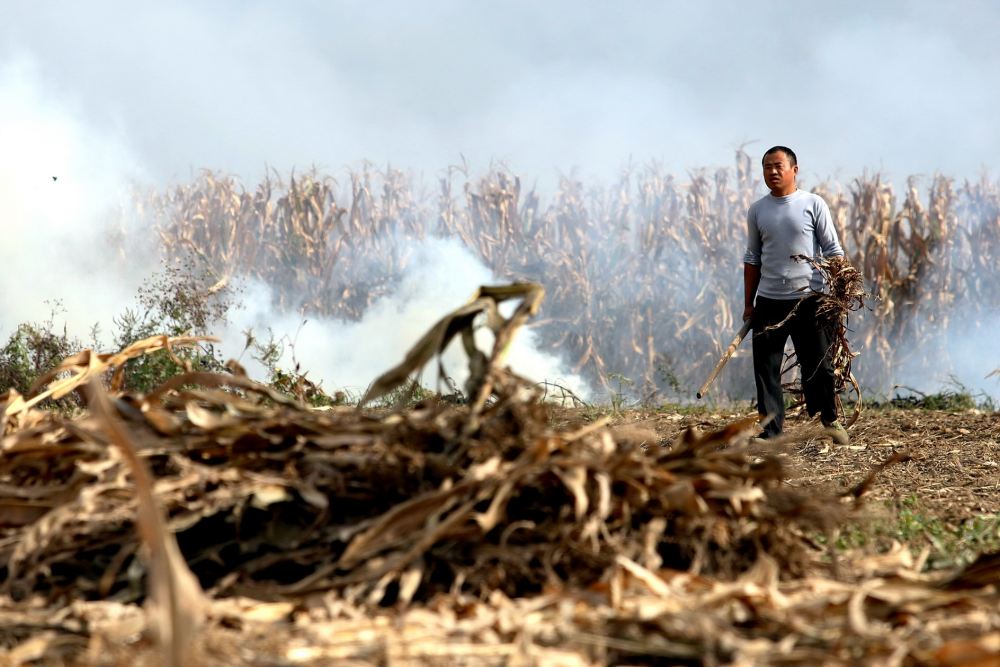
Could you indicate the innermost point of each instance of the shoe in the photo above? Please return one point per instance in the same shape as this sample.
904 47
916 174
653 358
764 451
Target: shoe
762 438
837 431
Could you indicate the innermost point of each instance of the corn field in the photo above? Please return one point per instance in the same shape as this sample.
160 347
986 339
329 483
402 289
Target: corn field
643 278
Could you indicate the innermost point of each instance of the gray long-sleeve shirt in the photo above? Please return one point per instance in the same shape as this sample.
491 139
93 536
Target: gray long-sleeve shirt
779 227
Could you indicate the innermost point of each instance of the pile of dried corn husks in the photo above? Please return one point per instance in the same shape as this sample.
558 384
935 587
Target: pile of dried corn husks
443 534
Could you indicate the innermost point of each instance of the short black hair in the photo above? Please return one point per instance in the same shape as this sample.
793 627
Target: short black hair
784 149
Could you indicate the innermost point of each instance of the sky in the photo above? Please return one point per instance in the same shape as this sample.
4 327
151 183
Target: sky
102 94
544 87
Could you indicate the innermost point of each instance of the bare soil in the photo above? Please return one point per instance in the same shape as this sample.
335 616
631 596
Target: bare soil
954 465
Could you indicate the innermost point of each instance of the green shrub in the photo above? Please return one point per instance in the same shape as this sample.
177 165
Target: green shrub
33 349
179 300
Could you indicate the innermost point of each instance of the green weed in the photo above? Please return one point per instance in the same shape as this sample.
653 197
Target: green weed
179 300
33 349
956 397
292 383
910 522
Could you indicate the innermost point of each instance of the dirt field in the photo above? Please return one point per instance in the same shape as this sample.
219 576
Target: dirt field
955 456
950 481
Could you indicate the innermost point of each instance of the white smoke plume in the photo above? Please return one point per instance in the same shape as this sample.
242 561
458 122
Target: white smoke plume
63 187
442 276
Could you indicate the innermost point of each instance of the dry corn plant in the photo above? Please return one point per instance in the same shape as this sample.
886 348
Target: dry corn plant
643 277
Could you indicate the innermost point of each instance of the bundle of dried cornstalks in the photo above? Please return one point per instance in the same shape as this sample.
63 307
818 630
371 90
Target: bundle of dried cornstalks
845 293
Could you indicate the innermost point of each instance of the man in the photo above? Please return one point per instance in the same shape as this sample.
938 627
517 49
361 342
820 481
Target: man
780 296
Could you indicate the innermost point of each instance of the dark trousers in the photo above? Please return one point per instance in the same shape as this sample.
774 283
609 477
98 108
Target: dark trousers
812 348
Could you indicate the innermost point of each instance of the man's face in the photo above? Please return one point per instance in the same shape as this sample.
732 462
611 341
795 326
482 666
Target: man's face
779 174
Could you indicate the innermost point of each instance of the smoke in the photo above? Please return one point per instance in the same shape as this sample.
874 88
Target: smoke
65 188
441 276
954 347
98 96
63 185
236 86
957 357
969 360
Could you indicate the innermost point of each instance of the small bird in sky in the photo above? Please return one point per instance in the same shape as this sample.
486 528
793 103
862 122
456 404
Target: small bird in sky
55 178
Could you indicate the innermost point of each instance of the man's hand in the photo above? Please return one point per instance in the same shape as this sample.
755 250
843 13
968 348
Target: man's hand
747 313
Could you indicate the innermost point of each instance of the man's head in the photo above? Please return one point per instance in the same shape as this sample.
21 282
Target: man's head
780 169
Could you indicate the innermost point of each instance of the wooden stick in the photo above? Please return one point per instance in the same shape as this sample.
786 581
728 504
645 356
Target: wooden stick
740 335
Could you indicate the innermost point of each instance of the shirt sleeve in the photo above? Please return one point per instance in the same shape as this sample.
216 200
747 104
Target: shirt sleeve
826 233
752 255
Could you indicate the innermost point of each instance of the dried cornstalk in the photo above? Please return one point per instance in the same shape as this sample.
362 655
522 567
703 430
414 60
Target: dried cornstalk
844 294
176 604
641 275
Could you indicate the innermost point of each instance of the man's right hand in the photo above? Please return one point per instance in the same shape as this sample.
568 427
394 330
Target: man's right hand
747 313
